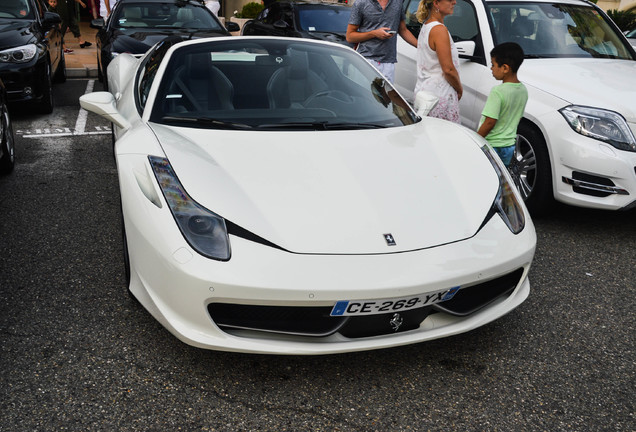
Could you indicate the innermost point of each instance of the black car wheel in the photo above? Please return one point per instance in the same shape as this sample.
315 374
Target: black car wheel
46 103
530 169
7 161
100 76
60 73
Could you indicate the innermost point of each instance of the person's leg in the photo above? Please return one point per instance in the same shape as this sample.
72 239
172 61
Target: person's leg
505 154
387 69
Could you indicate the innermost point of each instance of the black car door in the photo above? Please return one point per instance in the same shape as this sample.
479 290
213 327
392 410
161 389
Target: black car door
52 36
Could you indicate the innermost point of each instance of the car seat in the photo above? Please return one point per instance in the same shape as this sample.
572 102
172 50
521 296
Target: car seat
203 86
290 85
132 18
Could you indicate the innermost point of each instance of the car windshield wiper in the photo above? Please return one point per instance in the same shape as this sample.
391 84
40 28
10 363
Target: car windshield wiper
321 125
217 124
340 35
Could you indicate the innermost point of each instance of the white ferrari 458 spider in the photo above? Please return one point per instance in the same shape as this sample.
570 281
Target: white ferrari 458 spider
279 196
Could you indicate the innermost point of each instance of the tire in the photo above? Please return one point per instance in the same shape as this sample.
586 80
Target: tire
100 76
7 161
45 105
126 256
530 169
60 73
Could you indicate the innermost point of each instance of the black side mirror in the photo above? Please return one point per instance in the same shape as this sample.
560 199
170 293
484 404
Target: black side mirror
97 23
50 19
231 26
281 25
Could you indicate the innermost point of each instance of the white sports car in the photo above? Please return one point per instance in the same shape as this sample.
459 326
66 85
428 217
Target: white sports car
279 196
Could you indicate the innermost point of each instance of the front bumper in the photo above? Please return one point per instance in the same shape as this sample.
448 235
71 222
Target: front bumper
588 172
24 82
178 286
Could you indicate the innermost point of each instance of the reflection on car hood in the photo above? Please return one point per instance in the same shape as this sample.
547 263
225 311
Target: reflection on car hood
138 42
15 33
600 83
339 191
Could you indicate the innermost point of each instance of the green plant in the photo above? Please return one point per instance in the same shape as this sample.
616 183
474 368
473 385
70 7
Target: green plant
624 20
250 10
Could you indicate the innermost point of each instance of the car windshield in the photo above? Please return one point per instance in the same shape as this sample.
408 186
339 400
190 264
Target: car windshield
556 30
168 15
16 9
274 84
322 18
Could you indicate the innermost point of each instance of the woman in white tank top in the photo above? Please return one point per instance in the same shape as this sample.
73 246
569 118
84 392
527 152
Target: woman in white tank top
438 60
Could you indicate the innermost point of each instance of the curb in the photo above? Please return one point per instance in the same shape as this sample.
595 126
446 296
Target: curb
85 72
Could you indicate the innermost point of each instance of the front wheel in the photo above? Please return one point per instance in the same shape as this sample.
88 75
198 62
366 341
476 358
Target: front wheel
46 103
60 73
530 169
7 160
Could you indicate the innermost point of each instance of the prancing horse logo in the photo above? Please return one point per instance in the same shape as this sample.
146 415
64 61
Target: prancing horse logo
396 321
390 240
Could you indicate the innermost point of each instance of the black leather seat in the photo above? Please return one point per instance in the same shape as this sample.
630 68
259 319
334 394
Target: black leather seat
291 85
203 85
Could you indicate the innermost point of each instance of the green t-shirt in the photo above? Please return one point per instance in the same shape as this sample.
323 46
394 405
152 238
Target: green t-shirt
506 103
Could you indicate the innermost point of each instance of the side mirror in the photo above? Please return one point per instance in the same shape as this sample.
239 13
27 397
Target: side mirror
103 104
465 49
281 25
50 19
97 23
231 26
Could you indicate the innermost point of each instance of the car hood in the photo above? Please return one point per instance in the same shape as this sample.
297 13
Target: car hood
339 192
16 33
600 83
139 41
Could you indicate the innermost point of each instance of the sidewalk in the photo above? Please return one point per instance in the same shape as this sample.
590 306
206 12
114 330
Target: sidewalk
82 62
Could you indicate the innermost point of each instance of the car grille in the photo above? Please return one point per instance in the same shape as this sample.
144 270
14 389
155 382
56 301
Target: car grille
316 321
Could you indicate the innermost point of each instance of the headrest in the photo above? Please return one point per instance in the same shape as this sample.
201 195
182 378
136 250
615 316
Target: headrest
199 65
522 26
298 65
132 13
184 14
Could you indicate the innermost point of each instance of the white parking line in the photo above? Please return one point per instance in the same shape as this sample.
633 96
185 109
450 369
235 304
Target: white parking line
80 125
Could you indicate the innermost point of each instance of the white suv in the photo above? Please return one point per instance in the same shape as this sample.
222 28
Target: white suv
576 141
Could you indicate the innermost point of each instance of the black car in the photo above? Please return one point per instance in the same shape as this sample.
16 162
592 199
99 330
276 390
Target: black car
31 52
7 150
136 25
325 21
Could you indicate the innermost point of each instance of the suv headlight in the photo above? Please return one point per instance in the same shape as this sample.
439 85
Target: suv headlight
507 203
204 230
600 124
21 54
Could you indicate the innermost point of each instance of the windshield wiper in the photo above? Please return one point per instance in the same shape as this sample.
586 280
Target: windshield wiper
217 124
321 125
340 35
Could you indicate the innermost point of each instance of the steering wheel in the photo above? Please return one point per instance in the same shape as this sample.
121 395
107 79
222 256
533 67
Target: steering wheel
338 95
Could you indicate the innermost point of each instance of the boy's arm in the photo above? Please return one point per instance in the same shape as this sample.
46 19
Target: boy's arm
487 126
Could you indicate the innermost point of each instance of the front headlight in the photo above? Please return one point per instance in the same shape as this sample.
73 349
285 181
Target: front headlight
21 54
506 203
204 230
600 124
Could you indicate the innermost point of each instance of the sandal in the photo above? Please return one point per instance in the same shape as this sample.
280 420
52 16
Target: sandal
85 44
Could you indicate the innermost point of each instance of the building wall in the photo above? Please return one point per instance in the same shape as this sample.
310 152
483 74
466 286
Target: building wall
617 4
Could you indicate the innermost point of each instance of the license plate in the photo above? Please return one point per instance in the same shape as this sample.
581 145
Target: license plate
374 307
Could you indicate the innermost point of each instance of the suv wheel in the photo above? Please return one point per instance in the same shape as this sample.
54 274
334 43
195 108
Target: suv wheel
530 169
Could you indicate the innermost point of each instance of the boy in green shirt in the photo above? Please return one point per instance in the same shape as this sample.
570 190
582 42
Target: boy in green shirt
506 102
